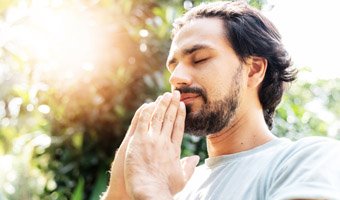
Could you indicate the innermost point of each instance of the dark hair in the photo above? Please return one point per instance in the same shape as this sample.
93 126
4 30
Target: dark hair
251 34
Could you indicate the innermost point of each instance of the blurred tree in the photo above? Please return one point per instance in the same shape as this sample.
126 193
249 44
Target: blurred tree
309 109
85 117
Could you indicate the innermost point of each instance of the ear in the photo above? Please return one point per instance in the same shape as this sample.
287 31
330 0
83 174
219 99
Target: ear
256 71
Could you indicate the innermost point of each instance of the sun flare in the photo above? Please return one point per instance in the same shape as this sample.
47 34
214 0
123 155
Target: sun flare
65 42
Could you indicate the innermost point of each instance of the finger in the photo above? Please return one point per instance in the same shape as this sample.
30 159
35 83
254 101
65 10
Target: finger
144 119
178 129
170 115
121 150
135 120
154 106
188 166
120 153
158 99
158 114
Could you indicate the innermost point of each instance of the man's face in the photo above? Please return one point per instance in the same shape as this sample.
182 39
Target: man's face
208 73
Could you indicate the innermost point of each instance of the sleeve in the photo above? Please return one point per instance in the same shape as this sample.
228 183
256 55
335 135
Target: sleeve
310 170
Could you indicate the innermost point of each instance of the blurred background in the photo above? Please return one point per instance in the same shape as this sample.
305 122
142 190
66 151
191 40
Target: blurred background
73 72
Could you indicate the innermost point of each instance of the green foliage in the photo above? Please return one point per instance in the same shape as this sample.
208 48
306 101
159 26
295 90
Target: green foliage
256 3
100 185
78 193
58 137
309 109
86 118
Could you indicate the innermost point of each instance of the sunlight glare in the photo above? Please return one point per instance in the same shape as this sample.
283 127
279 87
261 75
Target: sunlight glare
45 109
64 42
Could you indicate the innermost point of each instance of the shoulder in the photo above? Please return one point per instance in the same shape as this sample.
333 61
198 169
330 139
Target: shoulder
313 143
310 149
308 153
316 140
307 168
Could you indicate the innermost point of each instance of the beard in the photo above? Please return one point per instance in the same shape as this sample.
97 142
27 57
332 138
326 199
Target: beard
214 115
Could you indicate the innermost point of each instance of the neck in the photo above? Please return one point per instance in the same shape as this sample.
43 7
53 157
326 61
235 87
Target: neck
246 132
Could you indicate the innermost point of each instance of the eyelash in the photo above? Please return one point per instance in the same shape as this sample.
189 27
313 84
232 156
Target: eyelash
194 62
200 61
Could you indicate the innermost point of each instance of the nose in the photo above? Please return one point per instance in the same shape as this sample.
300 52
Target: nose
180 76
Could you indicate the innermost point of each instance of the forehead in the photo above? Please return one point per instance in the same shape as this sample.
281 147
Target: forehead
202 31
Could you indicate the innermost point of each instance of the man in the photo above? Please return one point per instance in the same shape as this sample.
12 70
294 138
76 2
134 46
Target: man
228 72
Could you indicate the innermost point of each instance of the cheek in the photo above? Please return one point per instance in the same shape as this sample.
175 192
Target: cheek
217 76
218 91
214 85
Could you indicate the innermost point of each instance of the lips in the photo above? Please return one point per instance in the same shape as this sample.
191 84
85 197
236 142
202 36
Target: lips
188 97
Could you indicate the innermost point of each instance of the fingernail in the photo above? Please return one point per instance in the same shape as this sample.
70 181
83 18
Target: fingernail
167 95
177 95
182 105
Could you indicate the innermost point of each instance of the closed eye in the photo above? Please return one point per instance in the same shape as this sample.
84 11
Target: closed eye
200 60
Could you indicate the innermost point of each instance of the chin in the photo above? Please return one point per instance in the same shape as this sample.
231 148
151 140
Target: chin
205 121
193 108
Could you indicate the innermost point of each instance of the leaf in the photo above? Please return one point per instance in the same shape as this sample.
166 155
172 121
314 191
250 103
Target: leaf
77 140
78 192
100 185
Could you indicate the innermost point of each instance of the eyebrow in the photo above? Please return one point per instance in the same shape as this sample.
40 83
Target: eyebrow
189 51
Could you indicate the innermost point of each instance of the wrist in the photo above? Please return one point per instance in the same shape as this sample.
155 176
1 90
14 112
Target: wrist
113 195
152 193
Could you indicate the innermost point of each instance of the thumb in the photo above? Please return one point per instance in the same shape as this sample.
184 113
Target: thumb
188 166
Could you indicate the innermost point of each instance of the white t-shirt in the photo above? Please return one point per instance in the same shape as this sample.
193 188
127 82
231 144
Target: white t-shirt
280 169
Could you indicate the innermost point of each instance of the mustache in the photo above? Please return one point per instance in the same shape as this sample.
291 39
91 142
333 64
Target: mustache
195 90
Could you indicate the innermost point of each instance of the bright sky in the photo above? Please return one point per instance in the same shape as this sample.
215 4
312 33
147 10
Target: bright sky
311 32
